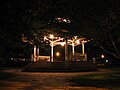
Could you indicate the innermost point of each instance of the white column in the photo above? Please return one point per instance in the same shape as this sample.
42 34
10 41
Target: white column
34 53
66 51
73 51
73 48
52 53
37 53
52 46
83 51
83 48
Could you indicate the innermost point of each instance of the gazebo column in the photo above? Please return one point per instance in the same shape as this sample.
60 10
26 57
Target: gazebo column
66 51
34 55
73 51
37 53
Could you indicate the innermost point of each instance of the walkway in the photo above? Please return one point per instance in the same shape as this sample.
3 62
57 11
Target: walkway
45 81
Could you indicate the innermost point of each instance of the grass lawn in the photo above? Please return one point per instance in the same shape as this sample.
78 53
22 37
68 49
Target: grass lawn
106 80
9 68
6 75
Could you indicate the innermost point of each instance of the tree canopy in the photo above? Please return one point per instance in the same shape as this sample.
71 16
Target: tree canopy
97 20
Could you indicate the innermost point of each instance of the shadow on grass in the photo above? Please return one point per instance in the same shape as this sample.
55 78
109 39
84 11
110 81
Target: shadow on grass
6 75
10 68
98 80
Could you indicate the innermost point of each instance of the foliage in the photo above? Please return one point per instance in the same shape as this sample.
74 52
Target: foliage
15 19
97 20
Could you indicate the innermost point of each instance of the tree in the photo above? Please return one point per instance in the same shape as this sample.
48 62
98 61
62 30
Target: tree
110 36
15 20
104 27
97 20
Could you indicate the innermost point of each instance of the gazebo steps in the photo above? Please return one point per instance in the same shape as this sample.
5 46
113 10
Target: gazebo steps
59 66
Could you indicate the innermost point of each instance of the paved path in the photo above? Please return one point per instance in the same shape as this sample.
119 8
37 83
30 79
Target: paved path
45 81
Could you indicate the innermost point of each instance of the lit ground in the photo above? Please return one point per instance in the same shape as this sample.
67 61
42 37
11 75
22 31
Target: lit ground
45 81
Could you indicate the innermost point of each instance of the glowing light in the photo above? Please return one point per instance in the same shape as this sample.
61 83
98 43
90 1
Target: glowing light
66 20
77 41
51 36
75 37
102 56
62 43
106 61
45 38
57 54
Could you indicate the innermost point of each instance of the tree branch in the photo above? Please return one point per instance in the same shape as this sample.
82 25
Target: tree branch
111 53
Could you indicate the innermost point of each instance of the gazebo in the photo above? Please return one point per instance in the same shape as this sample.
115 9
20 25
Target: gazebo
53 41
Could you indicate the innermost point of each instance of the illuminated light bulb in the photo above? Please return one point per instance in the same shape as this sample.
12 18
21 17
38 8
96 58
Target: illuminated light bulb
57 54
51 36
102 56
